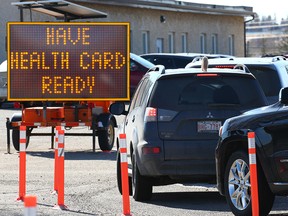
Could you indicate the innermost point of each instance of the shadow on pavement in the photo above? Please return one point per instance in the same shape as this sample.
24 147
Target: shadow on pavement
66 210
191 201
214 202
79 155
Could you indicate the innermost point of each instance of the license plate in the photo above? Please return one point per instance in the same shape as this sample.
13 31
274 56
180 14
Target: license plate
208 126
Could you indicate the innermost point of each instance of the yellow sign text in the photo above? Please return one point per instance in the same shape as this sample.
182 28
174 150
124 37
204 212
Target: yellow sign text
67 84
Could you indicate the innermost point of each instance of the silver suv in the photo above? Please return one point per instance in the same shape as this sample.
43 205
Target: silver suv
271 72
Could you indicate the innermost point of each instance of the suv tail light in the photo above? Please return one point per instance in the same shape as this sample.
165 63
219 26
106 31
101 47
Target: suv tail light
225 66
206 75
150 114
151 150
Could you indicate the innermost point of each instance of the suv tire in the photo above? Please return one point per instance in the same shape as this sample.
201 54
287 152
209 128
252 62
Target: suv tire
238 168
142 186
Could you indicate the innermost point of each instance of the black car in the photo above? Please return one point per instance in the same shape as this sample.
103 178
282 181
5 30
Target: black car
270 125
178 60
138 67
173 120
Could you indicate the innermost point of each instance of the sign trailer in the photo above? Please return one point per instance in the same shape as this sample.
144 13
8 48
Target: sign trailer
82 66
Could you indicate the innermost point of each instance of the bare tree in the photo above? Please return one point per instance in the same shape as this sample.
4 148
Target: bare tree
283 42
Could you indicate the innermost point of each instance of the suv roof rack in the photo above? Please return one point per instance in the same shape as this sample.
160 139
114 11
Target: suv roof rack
159 68
198 58
278 58
242 67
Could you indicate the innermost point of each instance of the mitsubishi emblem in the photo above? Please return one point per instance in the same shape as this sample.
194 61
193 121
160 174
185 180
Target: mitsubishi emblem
209 115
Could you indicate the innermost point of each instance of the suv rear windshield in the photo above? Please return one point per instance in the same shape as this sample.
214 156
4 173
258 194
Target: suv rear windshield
267 77
184 92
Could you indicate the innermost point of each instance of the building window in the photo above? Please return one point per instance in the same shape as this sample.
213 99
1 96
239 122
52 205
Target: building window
203 43
231 45
184 42
171 42
214 44
159 45
145 41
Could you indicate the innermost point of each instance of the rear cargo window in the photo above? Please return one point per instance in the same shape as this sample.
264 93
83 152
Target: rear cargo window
267 77
180 93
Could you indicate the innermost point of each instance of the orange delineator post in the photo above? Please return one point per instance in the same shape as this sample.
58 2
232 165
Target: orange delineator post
253 173
22 163
30 203
124 174
61 170
58 128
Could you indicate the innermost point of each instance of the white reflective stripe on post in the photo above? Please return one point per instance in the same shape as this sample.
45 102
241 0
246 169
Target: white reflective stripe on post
22 139
252 158
122 143
60 152
123 147
61 143
123 157
30 211
22 147
60 138
22 134
56 139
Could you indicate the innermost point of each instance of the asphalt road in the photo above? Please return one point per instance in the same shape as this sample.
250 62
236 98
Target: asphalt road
90 183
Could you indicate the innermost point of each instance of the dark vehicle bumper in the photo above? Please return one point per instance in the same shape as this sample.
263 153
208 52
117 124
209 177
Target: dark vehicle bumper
279 188
154 165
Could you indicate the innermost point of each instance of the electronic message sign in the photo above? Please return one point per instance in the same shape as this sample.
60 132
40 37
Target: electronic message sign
68 61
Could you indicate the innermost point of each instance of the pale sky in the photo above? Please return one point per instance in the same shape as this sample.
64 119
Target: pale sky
276 8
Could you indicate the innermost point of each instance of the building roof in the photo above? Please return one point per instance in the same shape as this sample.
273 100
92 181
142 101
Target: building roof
177 5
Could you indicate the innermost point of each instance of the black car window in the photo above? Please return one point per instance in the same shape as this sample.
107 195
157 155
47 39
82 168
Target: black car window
192 91
182 62
135 66
164 60
268 78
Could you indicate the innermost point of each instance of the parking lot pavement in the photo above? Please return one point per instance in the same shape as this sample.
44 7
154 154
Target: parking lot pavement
90 183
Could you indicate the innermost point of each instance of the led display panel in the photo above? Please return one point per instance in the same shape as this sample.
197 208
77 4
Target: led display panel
68 61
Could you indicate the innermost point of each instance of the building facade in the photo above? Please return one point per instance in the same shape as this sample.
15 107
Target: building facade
267 38
169 26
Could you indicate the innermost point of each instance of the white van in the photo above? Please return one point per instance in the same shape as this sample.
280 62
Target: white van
3 81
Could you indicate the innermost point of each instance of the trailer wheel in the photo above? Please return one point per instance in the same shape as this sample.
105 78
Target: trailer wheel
106 137
16 137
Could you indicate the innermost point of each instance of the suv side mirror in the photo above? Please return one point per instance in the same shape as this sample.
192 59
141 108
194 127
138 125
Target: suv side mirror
283 95
117 108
